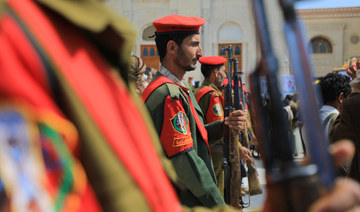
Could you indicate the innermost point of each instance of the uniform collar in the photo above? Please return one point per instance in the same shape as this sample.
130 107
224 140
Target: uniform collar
164 71
211 85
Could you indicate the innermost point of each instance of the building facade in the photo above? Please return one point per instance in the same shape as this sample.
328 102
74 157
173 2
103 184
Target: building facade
333 34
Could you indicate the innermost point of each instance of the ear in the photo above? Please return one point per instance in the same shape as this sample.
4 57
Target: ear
171 47
216 72
341 97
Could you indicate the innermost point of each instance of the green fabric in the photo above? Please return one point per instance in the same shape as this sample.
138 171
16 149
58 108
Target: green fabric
218 161
194 168
95 16
169 169
205 99
114 187
217 158
2 7
65 158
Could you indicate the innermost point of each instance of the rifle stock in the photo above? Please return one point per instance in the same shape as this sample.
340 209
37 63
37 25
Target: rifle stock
253 180
232 171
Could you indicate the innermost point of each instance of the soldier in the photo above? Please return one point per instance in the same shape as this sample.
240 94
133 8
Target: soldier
177 116
208 96
211 102
69 125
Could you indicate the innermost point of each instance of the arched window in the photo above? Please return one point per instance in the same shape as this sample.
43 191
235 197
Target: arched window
152 52
320 46
145 52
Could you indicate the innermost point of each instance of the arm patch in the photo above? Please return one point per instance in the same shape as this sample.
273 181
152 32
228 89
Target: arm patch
175 135
215 110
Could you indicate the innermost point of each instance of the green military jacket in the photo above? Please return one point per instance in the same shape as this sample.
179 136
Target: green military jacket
193 165
206 102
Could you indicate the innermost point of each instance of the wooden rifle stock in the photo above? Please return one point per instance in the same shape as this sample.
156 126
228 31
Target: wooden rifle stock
232 171
253 180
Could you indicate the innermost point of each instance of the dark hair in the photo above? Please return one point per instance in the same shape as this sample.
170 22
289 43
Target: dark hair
162 40
206 70
332 85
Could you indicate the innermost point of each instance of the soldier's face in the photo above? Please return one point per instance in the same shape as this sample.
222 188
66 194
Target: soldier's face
220 77
189 53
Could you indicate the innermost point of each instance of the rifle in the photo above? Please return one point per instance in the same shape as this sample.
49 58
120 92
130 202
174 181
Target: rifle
232 171
253 180
293 187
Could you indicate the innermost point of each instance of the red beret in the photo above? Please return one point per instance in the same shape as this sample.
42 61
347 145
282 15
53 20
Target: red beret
178 23
212 60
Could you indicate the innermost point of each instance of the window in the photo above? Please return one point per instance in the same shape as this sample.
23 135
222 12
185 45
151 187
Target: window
152 52
237 50
320 46
150 55
145 52
236 47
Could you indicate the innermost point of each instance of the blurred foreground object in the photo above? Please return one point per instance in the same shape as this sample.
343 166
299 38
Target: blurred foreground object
69 125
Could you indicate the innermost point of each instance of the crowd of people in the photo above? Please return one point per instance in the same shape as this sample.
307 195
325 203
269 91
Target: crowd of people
76 136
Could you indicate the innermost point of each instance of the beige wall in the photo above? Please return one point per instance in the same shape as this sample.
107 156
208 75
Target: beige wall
338 25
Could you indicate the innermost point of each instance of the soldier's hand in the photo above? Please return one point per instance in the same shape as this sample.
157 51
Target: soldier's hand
345 196
236 120
245 154
352 67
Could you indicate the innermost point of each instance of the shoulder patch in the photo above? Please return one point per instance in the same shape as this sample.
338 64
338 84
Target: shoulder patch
180 123
175 134
215 111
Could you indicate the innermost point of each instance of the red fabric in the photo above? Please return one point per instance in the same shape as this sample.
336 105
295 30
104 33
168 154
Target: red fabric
82 67
175 135
172 23
162 80
215 110
88 200
207 89
202 92
212 60
26 80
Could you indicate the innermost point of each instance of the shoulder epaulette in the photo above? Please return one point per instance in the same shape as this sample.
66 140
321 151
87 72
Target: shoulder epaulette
173 90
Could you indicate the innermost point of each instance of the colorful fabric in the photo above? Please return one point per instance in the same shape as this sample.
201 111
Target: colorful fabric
176 128
162 80
51 66
211 102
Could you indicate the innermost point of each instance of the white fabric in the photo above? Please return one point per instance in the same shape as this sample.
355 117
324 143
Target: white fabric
325 111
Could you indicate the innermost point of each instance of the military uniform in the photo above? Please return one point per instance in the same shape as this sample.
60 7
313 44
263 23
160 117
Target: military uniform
211 103
179 122
75 113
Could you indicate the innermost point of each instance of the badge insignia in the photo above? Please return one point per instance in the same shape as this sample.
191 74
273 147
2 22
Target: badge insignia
217 110
180 122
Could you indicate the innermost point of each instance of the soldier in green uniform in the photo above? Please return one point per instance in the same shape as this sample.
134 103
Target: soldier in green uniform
178 118
211 102
61 74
